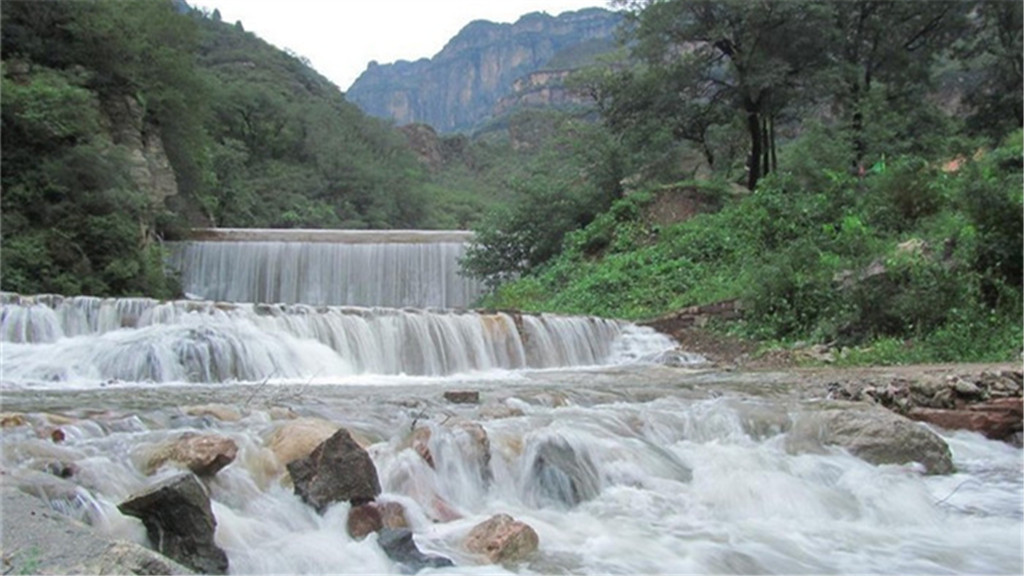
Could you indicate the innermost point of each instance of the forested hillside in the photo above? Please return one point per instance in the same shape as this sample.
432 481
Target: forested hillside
125 123
849 172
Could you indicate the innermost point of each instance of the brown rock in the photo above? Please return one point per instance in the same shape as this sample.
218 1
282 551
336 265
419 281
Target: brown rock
373 516
12 420
421 444
204 454
221 412
393 515
462 396
336 470
997 419
502 539
297 438
364 520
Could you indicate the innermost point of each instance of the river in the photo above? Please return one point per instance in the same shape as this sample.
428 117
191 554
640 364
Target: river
664 470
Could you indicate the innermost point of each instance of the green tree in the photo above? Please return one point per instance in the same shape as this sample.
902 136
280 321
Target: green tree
753 58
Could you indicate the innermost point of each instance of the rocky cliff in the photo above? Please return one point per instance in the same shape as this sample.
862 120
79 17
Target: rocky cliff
461 85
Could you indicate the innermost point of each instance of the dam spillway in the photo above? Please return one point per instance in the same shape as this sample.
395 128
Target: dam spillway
389 268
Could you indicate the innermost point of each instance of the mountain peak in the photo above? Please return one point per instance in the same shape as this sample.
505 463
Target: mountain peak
459 87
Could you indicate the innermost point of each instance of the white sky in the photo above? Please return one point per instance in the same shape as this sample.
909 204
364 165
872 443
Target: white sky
339 37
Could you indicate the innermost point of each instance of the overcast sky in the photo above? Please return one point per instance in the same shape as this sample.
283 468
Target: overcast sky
339 37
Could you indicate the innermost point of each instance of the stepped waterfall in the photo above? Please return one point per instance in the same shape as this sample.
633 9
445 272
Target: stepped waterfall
621 453
393 268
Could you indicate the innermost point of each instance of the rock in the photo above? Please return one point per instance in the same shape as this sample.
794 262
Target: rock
421 444
205 454
997 419
560 473
462 396
966 387
502 539
297 438
70 546
337 470
364 520
393 514
373 516
180 522
872 434
221 412
400 547
478 449
12 420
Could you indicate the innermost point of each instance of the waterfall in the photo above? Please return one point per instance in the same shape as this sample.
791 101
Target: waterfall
327 267
82 338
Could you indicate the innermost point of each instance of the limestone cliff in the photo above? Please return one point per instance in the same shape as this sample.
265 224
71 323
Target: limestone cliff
461 85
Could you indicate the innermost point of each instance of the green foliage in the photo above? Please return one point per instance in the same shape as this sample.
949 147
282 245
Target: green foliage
574 176
253 135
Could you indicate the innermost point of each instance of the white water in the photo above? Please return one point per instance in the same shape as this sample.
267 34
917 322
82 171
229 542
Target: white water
673 485
621 469
394 274
49 340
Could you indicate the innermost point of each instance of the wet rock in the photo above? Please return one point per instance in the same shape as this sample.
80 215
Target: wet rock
337 470
70 546
997 419
12 420
421 444
560 473
180 522
393 515
221 412
875 435
364 520
297 438
401 548
203 454
477 449
502 539
462 396
367 519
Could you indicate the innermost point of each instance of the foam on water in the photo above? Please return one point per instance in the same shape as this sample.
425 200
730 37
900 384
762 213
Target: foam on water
59 341
666 486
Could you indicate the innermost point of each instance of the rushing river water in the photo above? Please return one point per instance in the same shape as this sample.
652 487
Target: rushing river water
673 470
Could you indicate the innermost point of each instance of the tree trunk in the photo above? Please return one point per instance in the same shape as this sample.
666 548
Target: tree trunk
771 140
754 129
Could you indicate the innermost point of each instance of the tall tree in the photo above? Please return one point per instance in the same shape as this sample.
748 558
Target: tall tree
753 57
890 42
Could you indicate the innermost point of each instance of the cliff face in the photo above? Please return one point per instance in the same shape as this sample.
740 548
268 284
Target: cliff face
460 86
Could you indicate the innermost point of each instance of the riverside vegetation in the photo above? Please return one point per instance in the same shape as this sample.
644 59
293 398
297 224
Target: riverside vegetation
858 165
879 150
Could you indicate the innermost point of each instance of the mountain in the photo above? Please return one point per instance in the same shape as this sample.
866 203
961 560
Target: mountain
459 87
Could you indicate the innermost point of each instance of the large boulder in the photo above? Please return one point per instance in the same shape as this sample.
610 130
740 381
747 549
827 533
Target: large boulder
873 434
398 544
203 454
337 470
180 522
502 539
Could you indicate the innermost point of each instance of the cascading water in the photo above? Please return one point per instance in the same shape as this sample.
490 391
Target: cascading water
620 466
87 339
629 474
352 268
